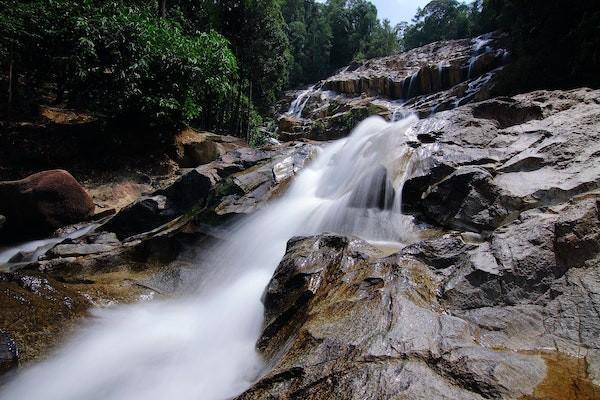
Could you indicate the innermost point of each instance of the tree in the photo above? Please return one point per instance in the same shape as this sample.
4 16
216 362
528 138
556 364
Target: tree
438 20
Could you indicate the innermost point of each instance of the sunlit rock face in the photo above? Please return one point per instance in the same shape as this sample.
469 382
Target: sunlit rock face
435 77
484 164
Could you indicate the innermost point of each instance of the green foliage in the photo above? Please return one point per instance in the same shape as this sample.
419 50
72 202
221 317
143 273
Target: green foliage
330 35
132 63
438 20
124 61
554 44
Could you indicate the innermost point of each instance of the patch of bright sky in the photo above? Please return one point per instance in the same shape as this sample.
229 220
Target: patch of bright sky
398 10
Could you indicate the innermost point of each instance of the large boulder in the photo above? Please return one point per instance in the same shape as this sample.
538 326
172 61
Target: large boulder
42 203
451 317
193 149
344 322
482 165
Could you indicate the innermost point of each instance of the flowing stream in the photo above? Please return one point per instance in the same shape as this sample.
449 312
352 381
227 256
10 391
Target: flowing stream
202 346
297 106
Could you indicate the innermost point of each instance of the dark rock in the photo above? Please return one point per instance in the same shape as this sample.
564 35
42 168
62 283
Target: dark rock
190 191
9 354
507 112
42 203
2 221
465 200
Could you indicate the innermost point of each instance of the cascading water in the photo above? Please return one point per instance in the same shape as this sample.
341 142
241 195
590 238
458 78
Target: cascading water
297 106
480 46
203 346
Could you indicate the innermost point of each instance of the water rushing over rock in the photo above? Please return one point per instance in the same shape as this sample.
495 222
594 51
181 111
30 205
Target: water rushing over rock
203 346
299 103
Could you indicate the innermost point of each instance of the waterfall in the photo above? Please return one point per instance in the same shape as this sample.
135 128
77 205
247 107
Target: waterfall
299 102
480 46
412 87
202 346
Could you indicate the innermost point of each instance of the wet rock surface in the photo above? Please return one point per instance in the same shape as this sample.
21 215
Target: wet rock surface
503 304
237 183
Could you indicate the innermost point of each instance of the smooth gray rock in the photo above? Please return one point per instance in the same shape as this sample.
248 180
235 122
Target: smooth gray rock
492 161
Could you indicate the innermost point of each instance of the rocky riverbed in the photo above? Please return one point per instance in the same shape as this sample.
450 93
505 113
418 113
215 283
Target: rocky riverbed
496 297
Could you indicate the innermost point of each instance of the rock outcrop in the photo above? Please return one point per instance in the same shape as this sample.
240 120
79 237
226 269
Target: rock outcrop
193 149
436 77
482 165
42 203
502 304
238 183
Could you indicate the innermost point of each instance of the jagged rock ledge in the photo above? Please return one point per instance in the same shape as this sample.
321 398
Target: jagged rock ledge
504 304
436 77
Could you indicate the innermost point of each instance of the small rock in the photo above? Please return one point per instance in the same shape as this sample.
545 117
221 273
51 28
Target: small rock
9 354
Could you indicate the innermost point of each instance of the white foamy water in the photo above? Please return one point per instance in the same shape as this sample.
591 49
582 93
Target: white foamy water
203 346
299 102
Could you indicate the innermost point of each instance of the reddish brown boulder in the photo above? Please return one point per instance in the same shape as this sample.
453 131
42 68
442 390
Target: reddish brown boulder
41 203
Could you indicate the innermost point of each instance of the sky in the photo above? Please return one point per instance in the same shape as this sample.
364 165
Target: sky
398 10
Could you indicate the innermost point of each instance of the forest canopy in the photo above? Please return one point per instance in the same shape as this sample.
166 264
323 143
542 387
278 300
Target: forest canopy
222 65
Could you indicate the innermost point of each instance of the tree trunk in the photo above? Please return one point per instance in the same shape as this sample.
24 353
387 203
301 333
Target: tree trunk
249 113
236 118
10 82
163 8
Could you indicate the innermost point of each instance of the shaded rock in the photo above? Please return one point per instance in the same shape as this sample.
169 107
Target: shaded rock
42 203
465 200
375 191
9 354
2 221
